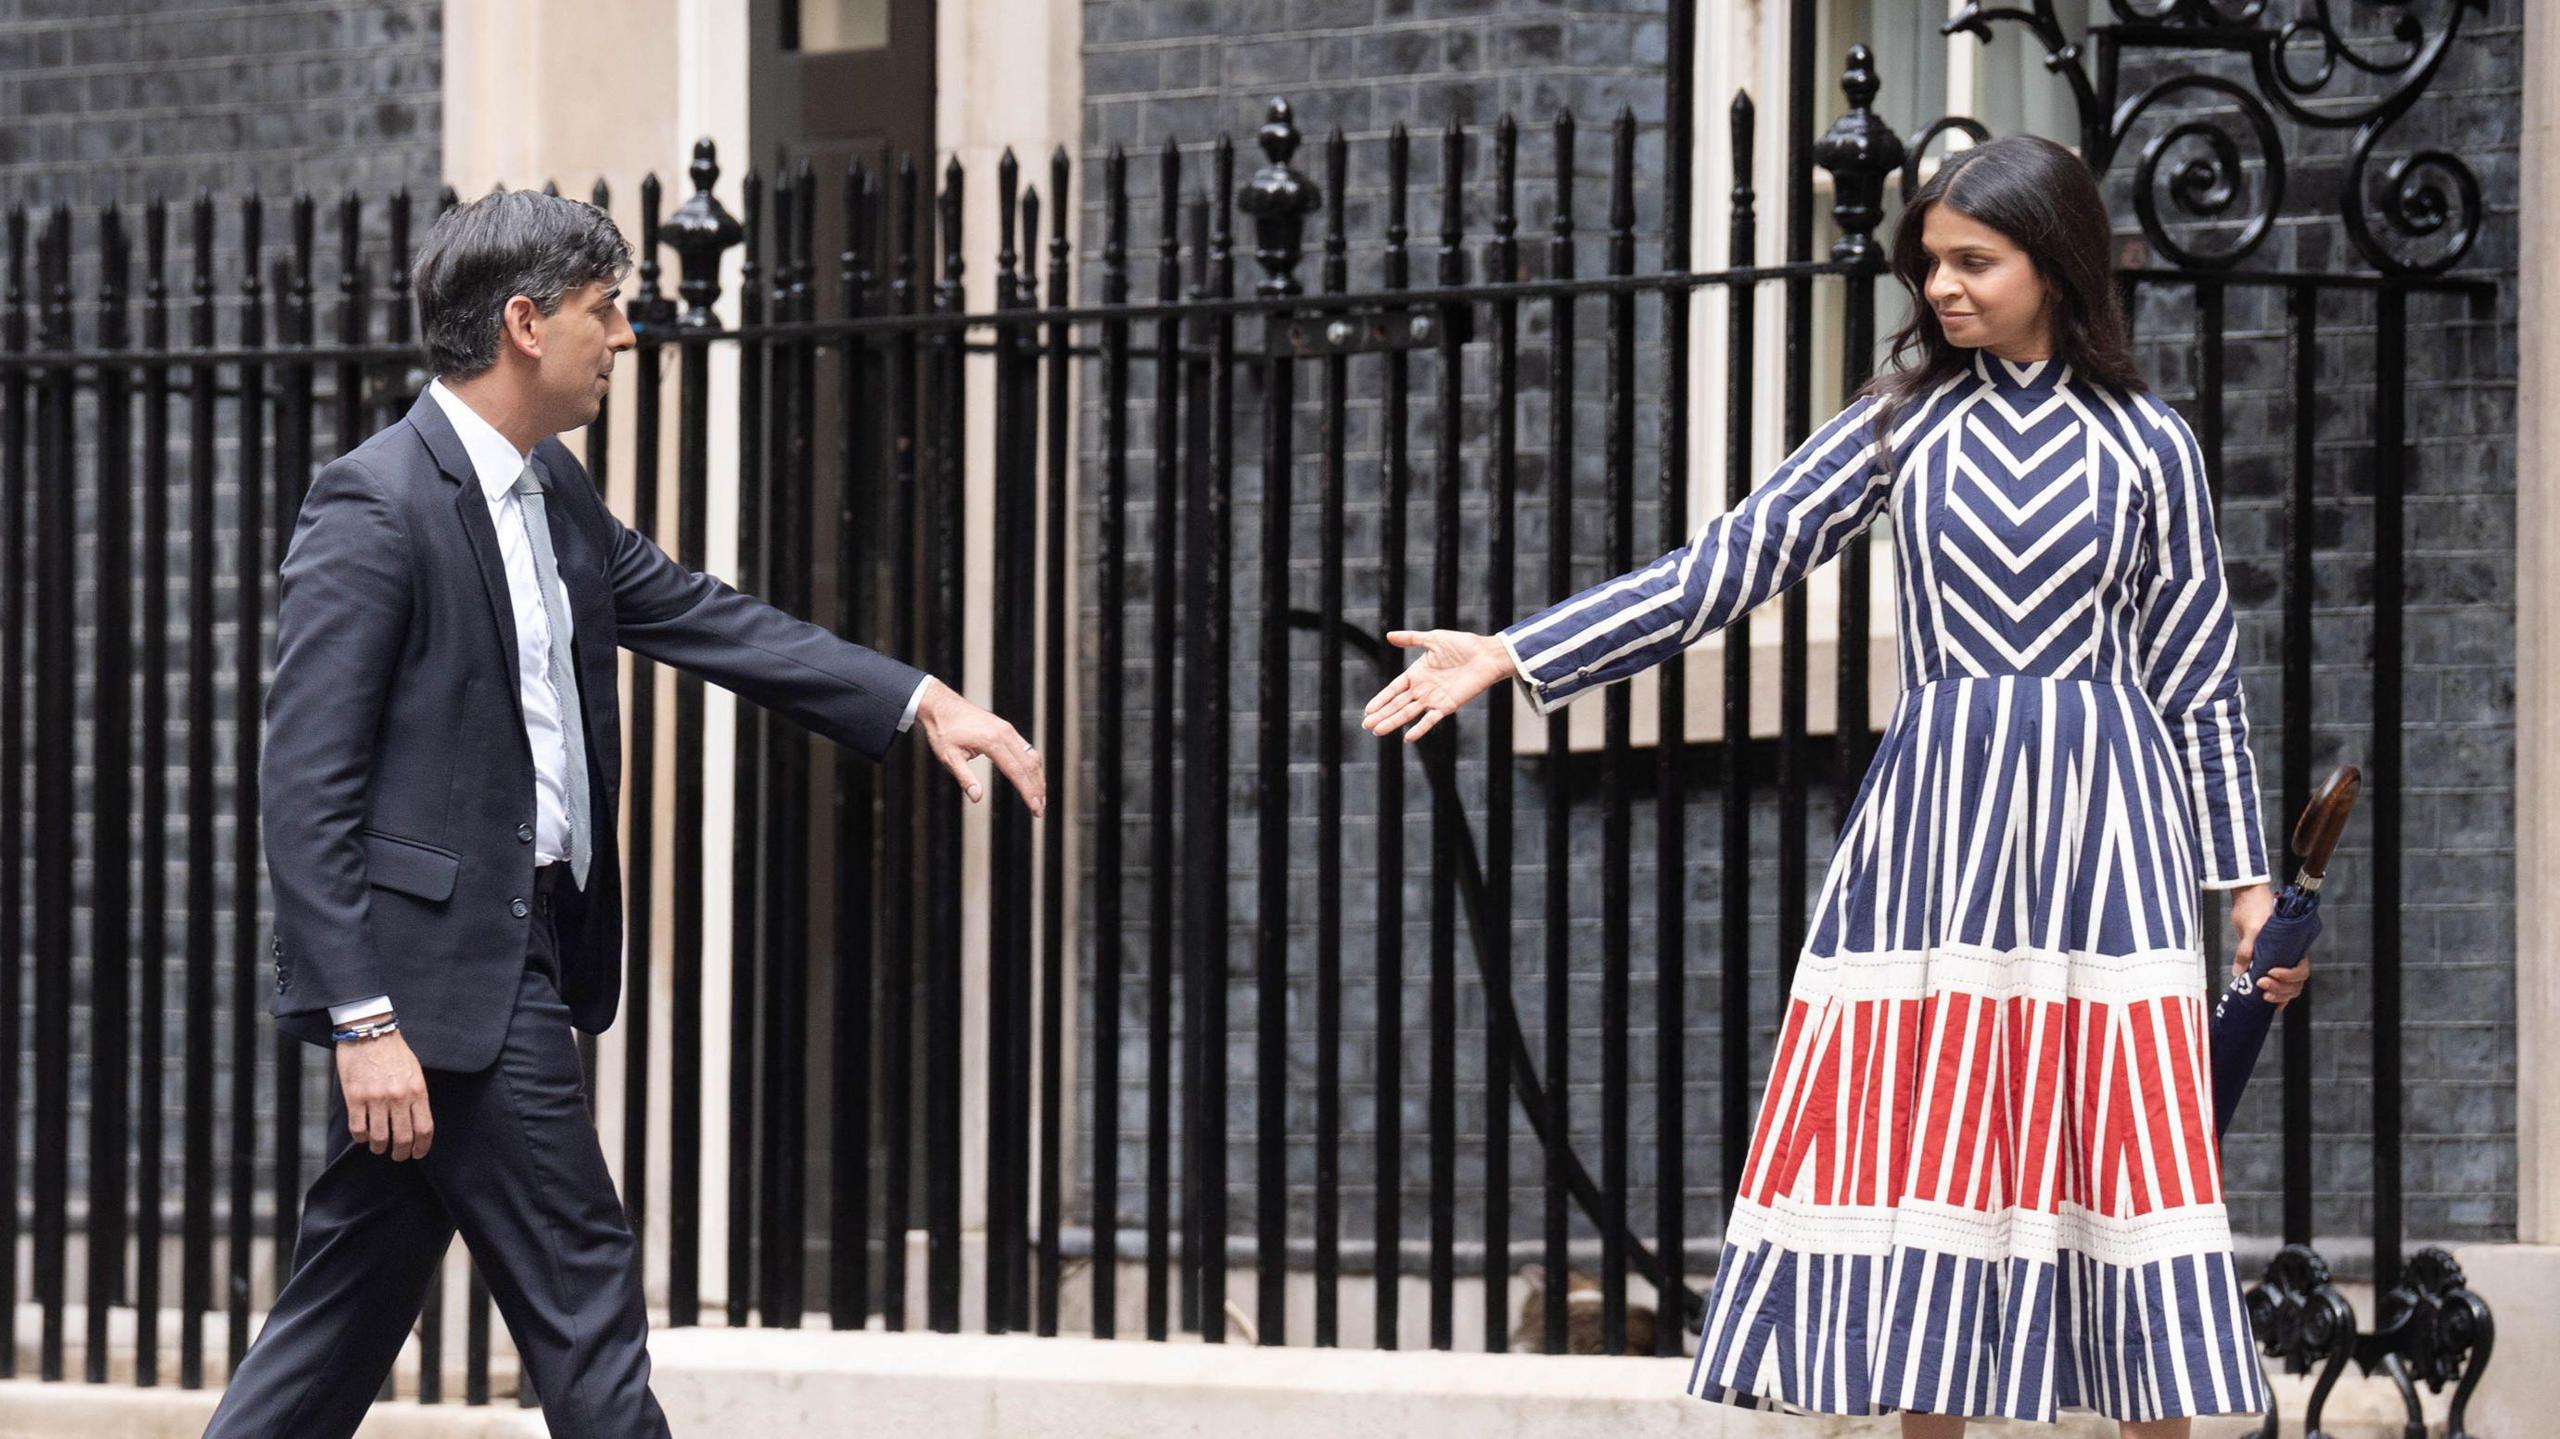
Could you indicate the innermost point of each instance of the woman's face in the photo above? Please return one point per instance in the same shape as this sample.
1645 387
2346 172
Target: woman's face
1984 290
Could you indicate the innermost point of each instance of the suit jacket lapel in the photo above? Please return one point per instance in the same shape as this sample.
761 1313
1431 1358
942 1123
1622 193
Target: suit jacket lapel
471 508
471 511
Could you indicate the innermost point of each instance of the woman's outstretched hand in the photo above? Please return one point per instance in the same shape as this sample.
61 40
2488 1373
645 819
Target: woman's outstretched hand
1456 667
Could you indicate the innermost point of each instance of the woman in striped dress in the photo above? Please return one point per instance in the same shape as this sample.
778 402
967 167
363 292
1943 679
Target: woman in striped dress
1984 1180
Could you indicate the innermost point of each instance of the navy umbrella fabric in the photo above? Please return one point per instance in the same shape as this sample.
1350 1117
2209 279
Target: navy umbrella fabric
2242 1014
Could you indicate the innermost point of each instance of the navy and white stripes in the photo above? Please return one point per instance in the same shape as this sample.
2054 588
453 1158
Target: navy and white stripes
1984 1179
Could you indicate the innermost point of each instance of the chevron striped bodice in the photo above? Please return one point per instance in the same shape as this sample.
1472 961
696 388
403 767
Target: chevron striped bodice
2034 510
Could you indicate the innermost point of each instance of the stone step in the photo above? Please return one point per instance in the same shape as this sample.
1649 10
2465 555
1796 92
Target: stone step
33 1410
800 1384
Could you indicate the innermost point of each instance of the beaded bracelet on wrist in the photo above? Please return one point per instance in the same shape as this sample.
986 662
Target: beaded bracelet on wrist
374 1029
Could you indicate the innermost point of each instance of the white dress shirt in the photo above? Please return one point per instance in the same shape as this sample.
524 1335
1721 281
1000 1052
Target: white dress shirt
497 464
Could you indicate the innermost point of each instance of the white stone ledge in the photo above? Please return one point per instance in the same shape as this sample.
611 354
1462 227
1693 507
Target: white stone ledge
786 1385
33 1410
802 1384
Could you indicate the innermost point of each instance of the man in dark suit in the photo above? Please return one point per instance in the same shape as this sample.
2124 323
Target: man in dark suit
440 782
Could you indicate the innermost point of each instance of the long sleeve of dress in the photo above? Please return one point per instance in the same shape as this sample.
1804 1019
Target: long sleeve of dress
1829 490
2190 661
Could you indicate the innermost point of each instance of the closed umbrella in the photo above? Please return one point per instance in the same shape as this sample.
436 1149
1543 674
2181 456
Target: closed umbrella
2242 1013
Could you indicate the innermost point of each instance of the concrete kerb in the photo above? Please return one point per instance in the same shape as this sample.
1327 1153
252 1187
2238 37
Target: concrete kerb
788 1384
33 1410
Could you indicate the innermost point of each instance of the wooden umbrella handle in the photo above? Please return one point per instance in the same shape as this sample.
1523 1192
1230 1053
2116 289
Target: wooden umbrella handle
2315 835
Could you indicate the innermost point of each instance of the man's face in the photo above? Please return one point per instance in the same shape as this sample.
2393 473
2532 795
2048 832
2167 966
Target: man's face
577 344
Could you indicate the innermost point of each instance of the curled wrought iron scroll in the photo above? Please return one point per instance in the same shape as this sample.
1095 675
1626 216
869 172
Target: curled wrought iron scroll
2418 216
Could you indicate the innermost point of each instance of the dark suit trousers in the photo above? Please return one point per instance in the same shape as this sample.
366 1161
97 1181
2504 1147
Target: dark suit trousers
516 1166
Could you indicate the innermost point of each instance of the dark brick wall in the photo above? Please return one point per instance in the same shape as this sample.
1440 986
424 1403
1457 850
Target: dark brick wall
1158 71
120 101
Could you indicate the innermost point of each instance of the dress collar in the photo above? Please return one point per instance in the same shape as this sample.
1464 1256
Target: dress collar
2002 375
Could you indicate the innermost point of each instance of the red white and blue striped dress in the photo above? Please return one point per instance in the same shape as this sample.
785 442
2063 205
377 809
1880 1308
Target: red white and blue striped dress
1984 1179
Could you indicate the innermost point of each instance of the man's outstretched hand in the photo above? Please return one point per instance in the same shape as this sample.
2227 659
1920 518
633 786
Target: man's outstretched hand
959 732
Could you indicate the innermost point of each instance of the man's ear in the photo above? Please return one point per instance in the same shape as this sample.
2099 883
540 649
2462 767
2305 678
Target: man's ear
519 326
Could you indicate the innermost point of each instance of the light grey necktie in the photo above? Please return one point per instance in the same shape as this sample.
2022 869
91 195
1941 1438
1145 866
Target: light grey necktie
564 680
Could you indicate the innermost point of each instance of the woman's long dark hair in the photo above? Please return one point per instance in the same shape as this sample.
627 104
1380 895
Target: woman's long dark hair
2045 200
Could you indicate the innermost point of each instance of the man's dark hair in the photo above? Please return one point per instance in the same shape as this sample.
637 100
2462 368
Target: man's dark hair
506 243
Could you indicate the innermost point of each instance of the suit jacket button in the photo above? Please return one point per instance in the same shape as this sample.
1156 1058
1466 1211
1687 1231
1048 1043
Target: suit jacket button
524 834
518 908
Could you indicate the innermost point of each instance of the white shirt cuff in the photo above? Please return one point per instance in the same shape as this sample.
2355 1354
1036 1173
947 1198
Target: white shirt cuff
909 718
361 1009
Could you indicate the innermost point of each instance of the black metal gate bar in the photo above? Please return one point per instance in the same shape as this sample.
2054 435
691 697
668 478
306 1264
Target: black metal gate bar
15 561
945 555
1671 726
1058 435
1617 937
789 870
1558 910
2384 779
765 433
195 1276
2303 306
151 1050
856 815
1196 796
748 837
647 308
1162 783
1005 1038
1334 443
1733 1018
1447 820
699 230
1216 508
2297 754
794 784
111 807
898 784
1797 423
1009 846
1266 199
1393 550
55 534
1016 692
1111 678
475 1338
249 1008
293 447
1499 802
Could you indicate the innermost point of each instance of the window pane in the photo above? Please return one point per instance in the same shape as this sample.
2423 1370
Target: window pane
843 25
2014 93
1911 57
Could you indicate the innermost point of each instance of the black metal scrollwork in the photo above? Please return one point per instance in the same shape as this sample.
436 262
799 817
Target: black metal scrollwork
2418 217
2437 1329
2300 1317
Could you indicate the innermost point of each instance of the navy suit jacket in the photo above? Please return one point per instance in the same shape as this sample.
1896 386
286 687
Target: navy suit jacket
397 788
